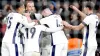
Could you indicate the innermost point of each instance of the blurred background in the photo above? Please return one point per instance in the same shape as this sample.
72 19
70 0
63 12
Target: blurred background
60 7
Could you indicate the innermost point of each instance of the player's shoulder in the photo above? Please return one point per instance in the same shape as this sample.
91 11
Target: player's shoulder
92 16
55 15
89 16
17 14
10 14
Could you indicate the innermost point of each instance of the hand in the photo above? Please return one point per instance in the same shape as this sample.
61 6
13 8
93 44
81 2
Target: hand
66 24
36 21
73 7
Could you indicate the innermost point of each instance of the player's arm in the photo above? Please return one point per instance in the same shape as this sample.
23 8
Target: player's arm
85 22
54 29
78 27
47 29
25 22
83 15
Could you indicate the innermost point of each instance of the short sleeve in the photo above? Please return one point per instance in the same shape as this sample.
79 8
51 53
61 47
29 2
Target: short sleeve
86 21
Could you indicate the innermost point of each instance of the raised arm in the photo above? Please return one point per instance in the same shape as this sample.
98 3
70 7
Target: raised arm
54 29
83 15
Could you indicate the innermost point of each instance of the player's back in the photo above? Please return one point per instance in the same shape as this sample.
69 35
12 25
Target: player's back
52 21
32 42
13 25
55 21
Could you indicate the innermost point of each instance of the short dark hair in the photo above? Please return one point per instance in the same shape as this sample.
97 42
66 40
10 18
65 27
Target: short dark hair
18 5
90 5
44 7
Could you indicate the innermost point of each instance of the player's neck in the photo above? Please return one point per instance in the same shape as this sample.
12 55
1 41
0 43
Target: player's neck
18 11
90 12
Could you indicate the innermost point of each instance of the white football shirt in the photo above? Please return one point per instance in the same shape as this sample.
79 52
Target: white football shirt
14 23
32 42
53 21
89 37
